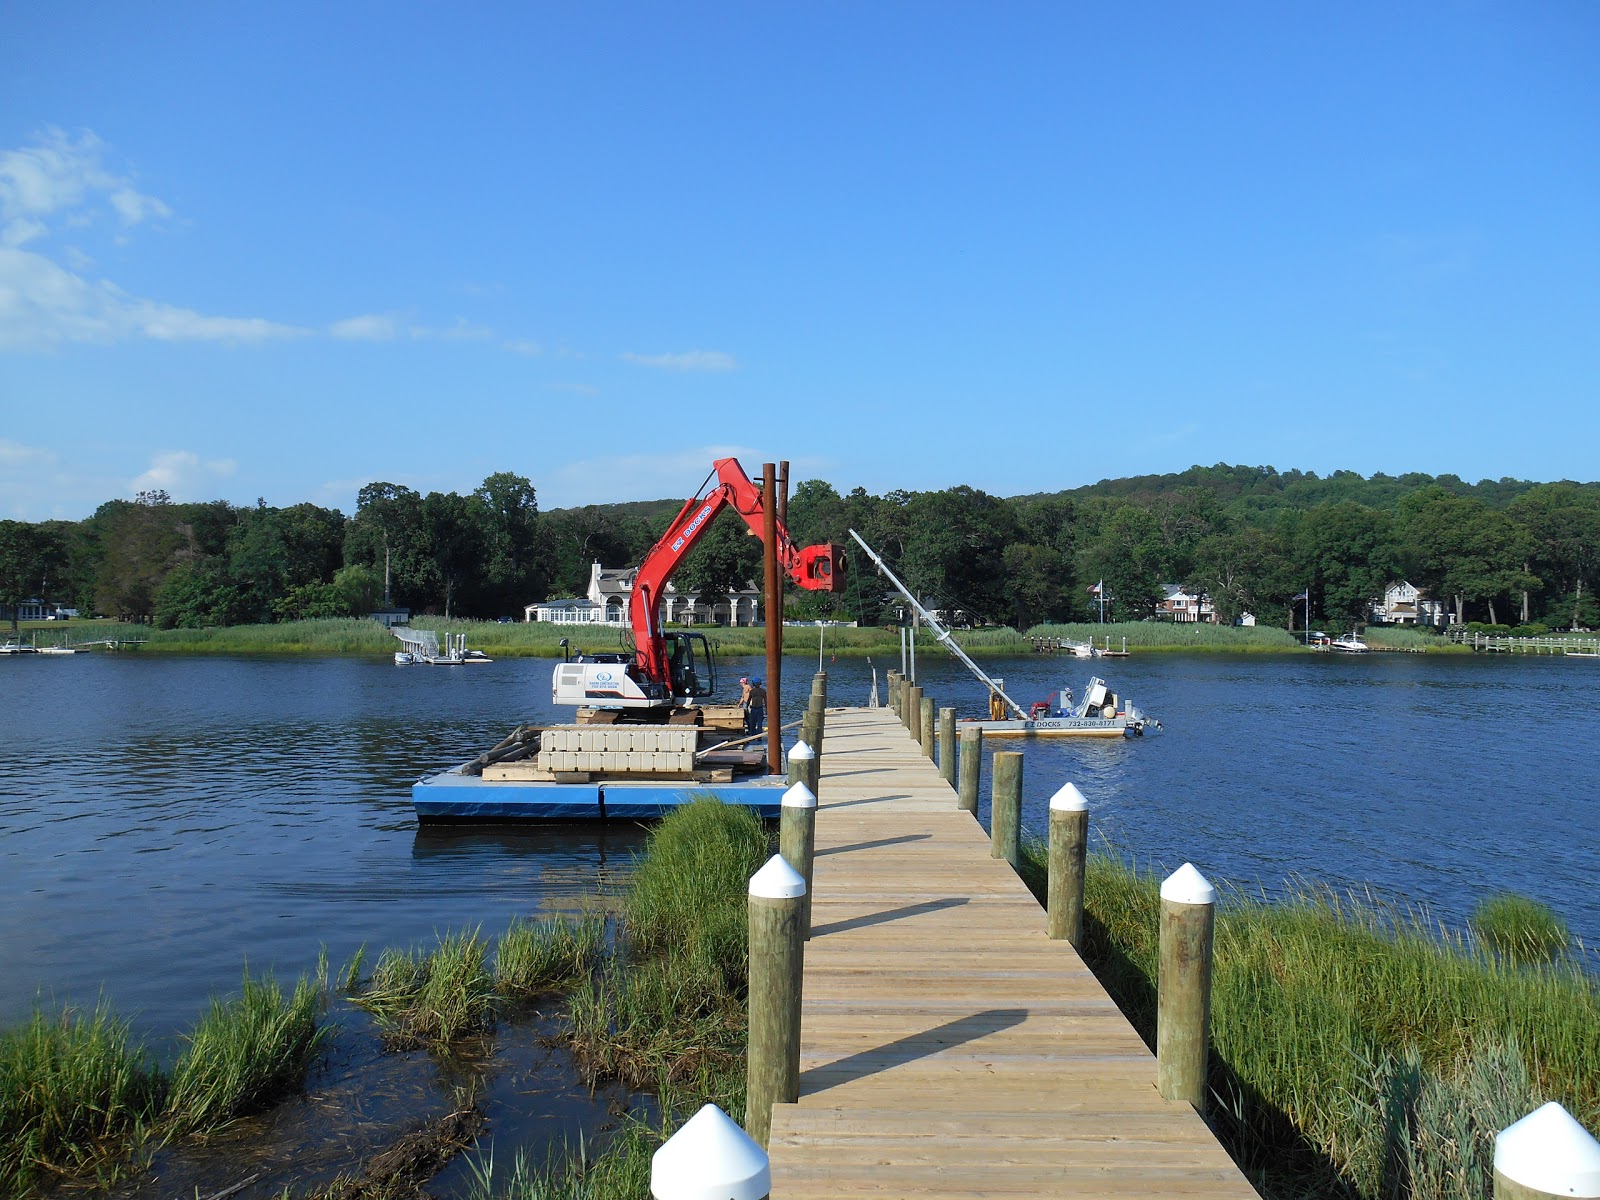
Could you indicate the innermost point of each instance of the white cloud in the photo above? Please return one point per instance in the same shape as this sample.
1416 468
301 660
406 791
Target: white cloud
14 455
371 328
522 346
183 474
689 360
58 176
42 305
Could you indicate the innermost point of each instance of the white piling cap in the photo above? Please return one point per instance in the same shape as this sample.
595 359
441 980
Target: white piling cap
802 750
1187 886
1069 799
710 1158
777 881
798 796
1548 1151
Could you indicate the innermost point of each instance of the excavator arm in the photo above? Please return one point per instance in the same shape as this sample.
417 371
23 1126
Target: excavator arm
817 568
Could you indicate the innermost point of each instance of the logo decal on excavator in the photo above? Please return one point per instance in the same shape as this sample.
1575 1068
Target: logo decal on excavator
699 520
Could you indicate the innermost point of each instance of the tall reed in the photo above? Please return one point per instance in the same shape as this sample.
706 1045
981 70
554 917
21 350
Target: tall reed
430 998
245 1053
1320 1001
542 956
74 1090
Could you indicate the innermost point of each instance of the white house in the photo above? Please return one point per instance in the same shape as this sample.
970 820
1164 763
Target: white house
1179 605
607 604
1404 603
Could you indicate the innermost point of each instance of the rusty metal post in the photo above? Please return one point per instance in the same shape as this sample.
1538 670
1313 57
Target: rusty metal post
774 598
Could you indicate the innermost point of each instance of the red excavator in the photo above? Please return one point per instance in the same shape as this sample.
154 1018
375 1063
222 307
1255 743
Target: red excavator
666 669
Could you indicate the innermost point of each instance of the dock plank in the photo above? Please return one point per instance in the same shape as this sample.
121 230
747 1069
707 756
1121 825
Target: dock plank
949 1049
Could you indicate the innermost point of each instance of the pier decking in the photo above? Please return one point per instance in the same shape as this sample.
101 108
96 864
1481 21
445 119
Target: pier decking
948 1048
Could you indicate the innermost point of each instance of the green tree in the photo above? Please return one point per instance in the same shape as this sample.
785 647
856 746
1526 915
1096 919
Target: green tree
1126 556
1459 547
1562 524
1233 571
452 540
1039 580
21 566
955 546
514 573
1347 552
386 534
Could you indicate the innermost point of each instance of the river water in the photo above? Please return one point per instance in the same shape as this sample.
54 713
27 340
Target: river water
165 819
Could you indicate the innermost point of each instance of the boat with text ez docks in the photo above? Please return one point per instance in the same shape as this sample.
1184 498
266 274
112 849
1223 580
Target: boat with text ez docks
1102 714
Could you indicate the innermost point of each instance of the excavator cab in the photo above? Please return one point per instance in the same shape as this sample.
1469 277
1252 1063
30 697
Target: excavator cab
693 669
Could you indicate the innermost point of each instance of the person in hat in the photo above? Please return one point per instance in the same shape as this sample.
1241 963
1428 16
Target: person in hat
753 699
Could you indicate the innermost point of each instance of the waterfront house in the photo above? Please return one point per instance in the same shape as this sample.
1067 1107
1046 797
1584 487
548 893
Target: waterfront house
1404 603
607 603
1180 605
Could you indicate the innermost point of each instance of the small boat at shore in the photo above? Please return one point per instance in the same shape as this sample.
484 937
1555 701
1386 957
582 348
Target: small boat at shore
1102 714
1349 644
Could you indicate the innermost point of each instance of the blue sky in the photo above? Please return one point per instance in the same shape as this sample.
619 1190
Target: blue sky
285 250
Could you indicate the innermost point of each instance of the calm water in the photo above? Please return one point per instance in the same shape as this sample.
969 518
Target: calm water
163 819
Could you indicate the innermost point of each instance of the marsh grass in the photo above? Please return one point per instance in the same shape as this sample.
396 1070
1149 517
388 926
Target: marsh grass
1169 635
535 957
671 1010
575 1172
244 1053
75 1092
1520 930
430 998
1325 1005
1400 637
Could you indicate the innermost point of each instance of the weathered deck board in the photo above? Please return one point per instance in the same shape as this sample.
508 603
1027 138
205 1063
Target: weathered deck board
948 1048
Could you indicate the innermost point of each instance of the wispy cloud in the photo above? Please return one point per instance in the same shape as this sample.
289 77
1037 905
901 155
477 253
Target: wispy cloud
183 474
59 174
14 455
370 328
522 346
689 360
63 180
576 389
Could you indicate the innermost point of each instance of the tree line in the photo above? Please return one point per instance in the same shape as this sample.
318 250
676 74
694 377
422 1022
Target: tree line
1250 539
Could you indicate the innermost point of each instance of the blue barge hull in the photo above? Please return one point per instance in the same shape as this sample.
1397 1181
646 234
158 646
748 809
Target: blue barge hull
455 796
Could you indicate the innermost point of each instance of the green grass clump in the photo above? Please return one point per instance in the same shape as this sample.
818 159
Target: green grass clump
432 998
1520 930
672 1011
245 1053
1324 1007
1169 635
74 1090
621 1169
543 956
1403 637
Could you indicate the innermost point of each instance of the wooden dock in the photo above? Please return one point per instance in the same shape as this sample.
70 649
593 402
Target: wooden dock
948 1048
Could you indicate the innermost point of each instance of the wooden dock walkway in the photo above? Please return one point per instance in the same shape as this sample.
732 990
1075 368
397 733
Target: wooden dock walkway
948 1048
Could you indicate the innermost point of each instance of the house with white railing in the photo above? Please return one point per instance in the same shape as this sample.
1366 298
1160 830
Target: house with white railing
607 604
1180 605
1404 603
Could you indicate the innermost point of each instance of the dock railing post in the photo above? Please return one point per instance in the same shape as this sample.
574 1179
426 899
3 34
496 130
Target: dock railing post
819 688
710 1156
1069 845
777 962
804 766
1183 987
1546 1154
1005 807
797 841
971 767
913 713
926 727
894 690
947 745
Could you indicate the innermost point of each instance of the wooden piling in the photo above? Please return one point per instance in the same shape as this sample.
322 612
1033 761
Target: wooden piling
1005 807
913 713
710 1155
1183 988
777 961
1069 844
804 766
971 767
947 745
797 840
927 728
1544 1155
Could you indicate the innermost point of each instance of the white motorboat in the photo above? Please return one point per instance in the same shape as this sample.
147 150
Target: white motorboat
404 658
1350 644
